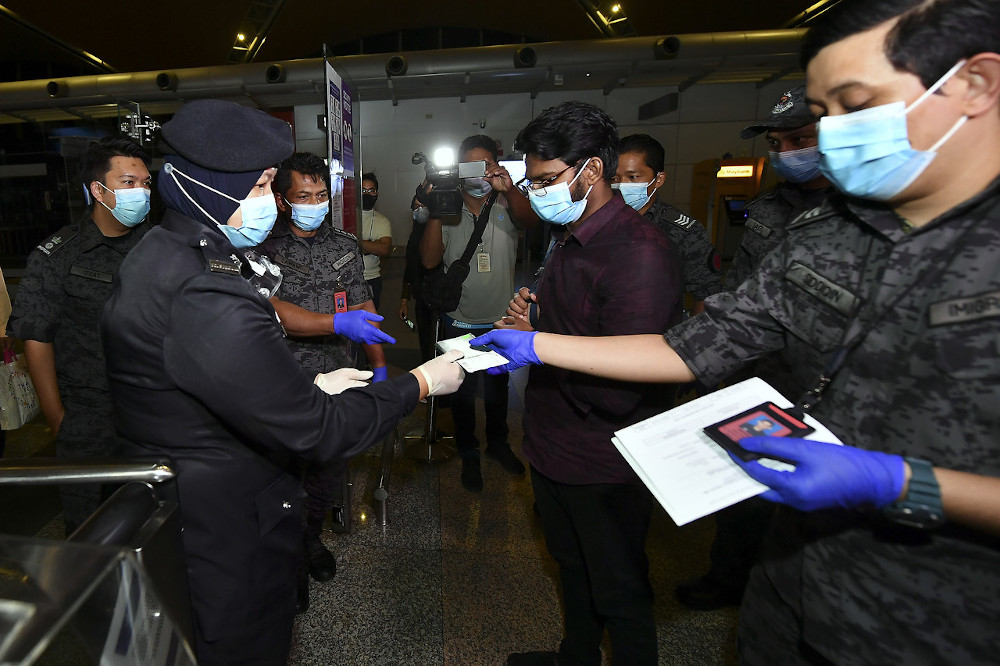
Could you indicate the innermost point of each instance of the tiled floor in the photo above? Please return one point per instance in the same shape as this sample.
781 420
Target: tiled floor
453 578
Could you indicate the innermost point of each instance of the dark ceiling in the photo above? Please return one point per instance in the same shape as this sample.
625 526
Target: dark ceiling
133 37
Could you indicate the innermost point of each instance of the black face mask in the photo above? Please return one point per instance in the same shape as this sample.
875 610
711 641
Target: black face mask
368 201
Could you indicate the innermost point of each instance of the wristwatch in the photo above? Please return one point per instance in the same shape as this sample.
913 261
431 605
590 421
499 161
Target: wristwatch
921 508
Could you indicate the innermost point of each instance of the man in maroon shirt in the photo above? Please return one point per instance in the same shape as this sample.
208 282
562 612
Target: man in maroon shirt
611 272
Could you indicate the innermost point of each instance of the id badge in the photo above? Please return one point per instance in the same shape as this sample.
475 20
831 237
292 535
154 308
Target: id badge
340 301
483 258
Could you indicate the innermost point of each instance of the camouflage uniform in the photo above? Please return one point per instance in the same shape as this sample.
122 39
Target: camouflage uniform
922 381
69 277
312 270
768 215
702 264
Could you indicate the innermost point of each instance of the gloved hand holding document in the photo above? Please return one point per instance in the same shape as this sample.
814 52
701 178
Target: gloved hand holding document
691 475
474 359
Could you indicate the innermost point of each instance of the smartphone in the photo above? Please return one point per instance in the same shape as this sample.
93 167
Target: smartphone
475 169
764 419
409 324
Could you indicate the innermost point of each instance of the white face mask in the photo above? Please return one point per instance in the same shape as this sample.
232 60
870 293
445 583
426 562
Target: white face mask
868 153
554 203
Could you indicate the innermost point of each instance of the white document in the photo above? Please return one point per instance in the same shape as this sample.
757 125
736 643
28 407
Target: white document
688 473
474 360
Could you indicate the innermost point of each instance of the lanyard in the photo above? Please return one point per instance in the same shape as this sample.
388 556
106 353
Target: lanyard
932 269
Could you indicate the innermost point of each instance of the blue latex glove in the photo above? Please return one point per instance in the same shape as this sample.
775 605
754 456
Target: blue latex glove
517 346
354 325
826 475
380 374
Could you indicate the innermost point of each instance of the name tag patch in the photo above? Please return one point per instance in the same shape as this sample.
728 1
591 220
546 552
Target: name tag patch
91 274
294 265
826 291
219 266
758 228
340 263
964 309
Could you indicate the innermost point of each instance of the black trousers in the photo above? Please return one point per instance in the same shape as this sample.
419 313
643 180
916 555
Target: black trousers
463 405
597 535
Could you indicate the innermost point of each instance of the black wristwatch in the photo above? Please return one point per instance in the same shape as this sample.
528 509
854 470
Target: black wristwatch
921 508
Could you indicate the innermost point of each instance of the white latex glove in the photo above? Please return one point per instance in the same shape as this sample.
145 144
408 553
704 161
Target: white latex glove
442 374
340 380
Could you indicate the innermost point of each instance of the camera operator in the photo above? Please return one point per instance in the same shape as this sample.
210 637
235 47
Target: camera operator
485 294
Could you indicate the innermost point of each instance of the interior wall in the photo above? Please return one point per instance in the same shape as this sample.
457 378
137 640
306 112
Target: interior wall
705 125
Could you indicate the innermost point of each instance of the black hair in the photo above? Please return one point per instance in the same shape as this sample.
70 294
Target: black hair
96 161
305 163
370 176
572 132
478 141
650 149
928 39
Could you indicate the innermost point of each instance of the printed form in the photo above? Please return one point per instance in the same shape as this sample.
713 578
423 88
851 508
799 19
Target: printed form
688 473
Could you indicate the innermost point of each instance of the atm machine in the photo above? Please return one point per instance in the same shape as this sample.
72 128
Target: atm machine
720 191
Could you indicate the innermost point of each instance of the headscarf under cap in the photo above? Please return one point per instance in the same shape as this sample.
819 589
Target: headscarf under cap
236 185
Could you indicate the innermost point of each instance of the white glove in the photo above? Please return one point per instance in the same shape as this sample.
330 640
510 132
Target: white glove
442 374
340 380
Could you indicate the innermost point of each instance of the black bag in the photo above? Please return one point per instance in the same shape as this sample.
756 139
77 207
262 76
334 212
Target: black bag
442 290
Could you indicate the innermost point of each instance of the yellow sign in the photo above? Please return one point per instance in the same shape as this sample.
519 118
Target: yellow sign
735 171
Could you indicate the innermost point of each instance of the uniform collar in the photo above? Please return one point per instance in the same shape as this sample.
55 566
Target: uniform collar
91 237
884 219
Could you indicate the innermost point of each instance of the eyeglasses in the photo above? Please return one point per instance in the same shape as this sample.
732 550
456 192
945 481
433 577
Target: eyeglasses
526 186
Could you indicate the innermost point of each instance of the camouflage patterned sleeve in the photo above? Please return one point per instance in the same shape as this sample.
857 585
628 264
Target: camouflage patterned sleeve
738 271
735 328
39 302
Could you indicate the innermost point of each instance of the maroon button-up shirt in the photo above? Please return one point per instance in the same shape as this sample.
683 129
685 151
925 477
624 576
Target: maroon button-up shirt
615 274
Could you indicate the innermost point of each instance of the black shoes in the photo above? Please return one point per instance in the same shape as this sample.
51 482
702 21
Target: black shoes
538 658
472 475
503 455
705 594
322 565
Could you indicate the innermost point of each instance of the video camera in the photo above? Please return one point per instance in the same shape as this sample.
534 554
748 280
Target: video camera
444 197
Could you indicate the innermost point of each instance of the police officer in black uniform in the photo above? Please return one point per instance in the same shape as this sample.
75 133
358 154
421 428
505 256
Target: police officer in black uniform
793 152
199 371
639 178
68 278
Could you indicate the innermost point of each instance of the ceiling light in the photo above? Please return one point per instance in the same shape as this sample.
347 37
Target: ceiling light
241 37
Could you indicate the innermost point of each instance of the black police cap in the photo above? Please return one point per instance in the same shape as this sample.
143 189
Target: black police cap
228 137
790 112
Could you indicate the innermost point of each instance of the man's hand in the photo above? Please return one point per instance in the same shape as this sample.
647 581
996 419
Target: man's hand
517 346
518 306
499 179
355 325
338 381
826 475
404 308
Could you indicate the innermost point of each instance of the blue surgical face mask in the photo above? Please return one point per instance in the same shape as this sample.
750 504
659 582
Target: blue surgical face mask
308 217
421 215
259 213
796 166
635 193
868 153
476 187
554 203
131 204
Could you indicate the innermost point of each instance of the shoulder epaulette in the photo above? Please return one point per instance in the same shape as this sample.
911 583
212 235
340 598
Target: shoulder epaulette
763 196
217 262
58 240
348 234
820 212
